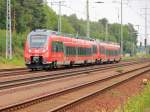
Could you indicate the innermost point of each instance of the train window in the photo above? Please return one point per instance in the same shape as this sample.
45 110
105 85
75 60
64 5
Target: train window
89 51
110 52
113 53
37 41
57 46
116 52
107 53
84 51
94 49
101 50
70 51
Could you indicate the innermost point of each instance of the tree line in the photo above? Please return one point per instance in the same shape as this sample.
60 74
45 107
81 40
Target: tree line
35 14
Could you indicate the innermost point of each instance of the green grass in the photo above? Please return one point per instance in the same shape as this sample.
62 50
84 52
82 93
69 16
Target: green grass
15 62
139 103
135 57
18 40
120 70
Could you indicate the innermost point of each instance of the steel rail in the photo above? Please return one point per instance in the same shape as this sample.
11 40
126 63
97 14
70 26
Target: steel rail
138 71
38 79
23 71
70 104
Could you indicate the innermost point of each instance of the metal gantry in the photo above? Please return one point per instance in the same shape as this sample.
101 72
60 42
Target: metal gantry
8 31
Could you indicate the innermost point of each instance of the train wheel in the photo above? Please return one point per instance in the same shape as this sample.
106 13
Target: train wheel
108 62
71 63
85 63
114 61
47 69
100 61
96 62
32 69
55 64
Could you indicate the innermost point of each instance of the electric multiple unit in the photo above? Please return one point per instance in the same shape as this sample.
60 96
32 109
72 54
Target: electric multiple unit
47 49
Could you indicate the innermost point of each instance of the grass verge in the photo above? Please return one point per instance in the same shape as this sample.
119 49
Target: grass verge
135 57
139 103
16 62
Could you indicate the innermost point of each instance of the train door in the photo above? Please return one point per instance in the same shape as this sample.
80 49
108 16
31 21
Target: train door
57 51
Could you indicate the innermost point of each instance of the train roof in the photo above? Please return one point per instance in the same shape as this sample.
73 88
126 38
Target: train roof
51 32
43 31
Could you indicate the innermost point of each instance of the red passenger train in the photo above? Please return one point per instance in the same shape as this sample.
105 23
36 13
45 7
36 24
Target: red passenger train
46 49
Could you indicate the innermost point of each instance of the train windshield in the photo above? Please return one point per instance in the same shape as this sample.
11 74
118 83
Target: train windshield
37 41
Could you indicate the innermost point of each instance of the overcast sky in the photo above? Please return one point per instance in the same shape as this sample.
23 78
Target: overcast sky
132 11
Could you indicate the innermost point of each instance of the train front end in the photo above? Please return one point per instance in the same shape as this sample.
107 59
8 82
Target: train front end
36 50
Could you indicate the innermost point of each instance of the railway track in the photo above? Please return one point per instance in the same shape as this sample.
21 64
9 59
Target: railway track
12 69
96 87
23 71
11 72
73 95
7 84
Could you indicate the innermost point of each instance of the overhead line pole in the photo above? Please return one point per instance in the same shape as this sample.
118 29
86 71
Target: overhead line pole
59 19
88 21
106 32
146 29
121 29
88 18
146 25
59 3
8 31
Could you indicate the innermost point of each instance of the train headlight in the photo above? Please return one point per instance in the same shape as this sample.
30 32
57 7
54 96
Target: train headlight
30 51
44 50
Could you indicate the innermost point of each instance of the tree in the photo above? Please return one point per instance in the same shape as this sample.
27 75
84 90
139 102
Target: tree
34 14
